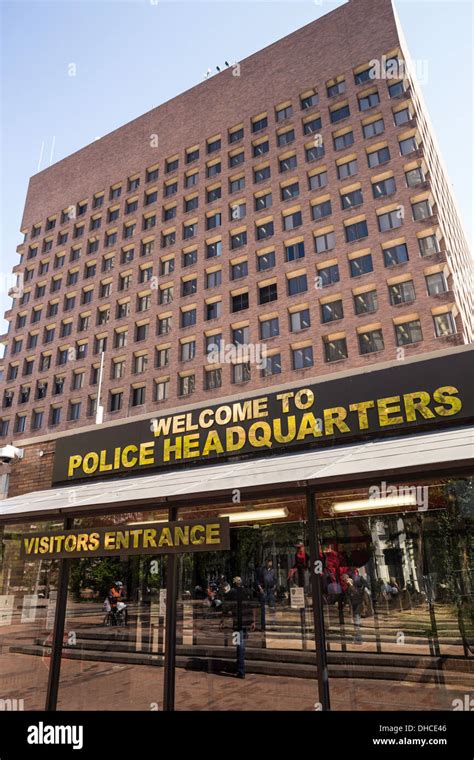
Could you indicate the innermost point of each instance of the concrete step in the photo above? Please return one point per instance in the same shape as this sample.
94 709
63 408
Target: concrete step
220 663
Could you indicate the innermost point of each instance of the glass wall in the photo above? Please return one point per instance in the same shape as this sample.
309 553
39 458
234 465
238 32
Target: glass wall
245 637
398 595
398 605
114 638
28 590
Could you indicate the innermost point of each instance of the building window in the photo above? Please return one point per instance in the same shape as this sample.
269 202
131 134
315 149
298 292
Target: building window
213 310
396 254
421 210
347 169
269 328
140 363
188 351
284 113
238 240
286 164
163 325
162 357
436 284
265 261
328 275
296 285
264 231
116 401
336 88
161 390
343 141
213 194
361 265
321 210
337 114
294 251
138 396
444 324
20 423
186 385
213 378
214 250
300 320
317 181
55 416
267 293
288 192
260 175
391 220
409 332
366 303
239 270
259 124
374 128
308 101
378 157
141 332
368 101
352 199
241 373
356 231
188 318
272 365
314 152
325 242
335 350
74 410
384 187
402 292
240 302
428 245
236 135
370 342
302 358
330 312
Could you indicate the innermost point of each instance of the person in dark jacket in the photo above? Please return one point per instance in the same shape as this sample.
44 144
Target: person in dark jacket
241 608
266 582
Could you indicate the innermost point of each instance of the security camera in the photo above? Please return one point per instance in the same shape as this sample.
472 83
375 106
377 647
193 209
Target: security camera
10 453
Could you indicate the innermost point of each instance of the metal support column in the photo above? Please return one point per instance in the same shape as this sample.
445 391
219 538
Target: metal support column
317 596
170 638
58 630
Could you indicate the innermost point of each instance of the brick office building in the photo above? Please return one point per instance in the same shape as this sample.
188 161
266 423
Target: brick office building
295 201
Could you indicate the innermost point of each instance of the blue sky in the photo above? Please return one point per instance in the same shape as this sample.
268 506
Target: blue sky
132 56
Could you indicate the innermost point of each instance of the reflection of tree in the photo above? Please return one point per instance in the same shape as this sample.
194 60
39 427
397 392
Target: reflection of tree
451 549
97 574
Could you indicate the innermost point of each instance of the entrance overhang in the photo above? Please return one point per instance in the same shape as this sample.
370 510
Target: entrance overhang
398 456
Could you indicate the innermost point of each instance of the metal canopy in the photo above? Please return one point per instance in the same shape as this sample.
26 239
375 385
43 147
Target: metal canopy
440 450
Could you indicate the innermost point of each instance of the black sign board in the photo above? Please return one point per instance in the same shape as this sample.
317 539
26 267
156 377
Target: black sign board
145 538
403 398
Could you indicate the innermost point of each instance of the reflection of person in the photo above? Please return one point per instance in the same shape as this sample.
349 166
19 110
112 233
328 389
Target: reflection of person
266 585
355 590
301 564
115 595
239 605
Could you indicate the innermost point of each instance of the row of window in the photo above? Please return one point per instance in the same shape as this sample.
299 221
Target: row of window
359 264
374 126
335 349
328 275
332 310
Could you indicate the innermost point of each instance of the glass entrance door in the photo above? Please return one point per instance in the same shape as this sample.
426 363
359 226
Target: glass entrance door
244 623
398 598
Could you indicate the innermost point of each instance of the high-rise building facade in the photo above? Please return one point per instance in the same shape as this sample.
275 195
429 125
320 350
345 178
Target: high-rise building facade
294 203
242 327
